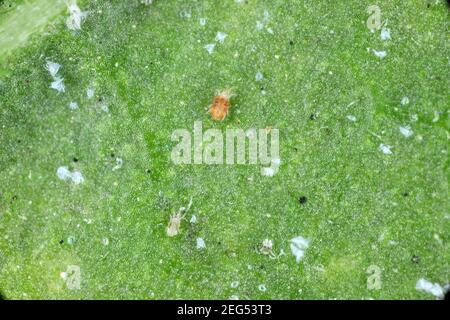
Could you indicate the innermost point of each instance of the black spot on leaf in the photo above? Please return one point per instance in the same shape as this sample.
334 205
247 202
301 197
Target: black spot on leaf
302 200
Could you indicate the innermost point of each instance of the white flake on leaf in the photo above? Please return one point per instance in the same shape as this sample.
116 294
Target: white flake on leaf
203 21
259 76
220 36
385 34
200 243
71 240
426 286
73 22
379 54
385 149
405 101
193 219
298 247
105 108
119 163
351 118
90 93
261 24
65 174
58 84
210 48
52 68
406 131
73 105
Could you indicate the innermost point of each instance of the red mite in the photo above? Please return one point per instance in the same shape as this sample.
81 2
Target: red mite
220 105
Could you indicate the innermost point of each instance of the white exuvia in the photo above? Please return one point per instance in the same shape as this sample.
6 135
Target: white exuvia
405 101
203 21
385 149
73 22
259 76
210 48
406 131
426 286
380 54
200 243
119 163
298 247
220 37
52 68
58 84
261 24
65 174
193 219
385 34
351 118
73 105
90 93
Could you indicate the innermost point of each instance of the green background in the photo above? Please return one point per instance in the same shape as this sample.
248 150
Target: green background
363 207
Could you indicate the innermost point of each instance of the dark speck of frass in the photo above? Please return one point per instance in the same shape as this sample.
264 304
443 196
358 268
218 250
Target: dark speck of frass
405 194
75 159
291 42
61 241
415 259
302 200
148 171
313 117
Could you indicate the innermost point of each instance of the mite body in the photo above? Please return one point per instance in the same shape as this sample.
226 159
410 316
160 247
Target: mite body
173 228
221 105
